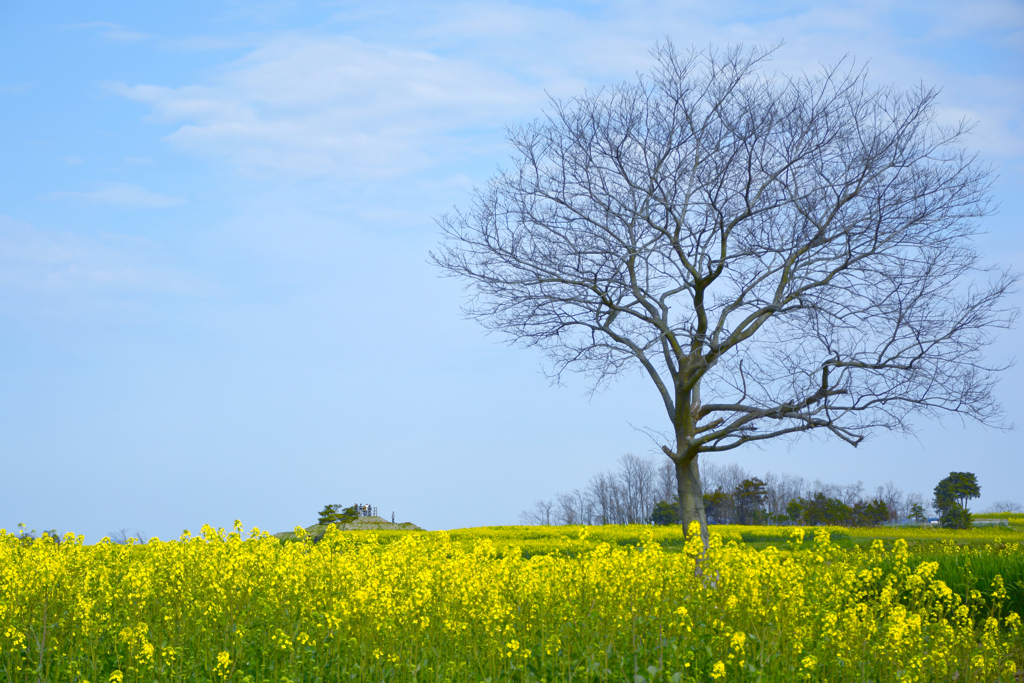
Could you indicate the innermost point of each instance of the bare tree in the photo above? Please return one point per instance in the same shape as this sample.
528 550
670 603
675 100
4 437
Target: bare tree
666 481
566 512
779 255
637 478
125 537
780 489
627 496
1006 506
585 506
603 496
895 500
847 494
912 500
724 477
540 515
573 508
851 493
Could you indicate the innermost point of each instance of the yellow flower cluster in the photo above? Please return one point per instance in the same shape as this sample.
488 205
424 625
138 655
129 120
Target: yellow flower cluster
545 540
445 606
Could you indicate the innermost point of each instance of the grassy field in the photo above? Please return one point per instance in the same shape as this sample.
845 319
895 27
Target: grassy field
1015 519
517 603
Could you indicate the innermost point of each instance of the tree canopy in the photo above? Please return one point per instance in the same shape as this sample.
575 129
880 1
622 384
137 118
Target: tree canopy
335 514
951 496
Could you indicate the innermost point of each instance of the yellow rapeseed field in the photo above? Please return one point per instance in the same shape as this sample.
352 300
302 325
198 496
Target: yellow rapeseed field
439 606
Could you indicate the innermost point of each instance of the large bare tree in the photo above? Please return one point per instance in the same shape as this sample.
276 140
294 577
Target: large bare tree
780 255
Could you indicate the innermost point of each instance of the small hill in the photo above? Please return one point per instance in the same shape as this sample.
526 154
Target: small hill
359 524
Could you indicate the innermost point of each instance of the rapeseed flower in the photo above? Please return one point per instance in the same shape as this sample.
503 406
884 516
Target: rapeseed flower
604 604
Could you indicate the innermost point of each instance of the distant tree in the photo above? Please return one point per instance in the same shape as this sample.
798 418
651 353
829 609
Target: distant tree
665 513
665 484
334 514
718 506
750 496
1006 506
847 494
917 512
734 495
795 510
25 536
951 496
870 513
716 476
626 496
956 517
781 488
958 487
877 512
638 478
540 515
603 492
126 537
573 508
895 500
912 500
822 510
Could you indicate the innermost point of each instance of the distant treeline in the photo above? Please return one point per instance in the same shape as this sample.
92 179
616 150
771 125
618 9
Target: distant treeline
642 492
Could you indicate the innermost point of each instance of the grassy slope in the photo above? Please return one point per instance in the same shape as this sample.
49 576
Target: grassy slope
360 524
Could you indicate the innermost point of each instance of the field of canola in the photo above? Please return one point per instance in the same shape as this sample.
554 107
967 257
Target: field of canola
513 603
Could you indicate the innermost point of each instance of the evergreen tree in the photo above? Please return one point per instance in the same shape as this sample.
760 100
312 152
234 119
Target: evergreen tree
827 511
870 513
956 517
917 513
794 510
665 513
333 514
750 495
951 496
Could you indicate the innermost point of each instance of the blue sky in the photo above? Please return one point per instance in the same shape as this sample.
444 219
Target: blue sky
214 224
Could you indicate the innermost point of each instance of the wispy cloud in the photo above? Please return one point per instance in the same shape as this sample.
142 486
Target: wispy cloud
427 82
204 43
1005 17
122 195
115 32
47 261
309 106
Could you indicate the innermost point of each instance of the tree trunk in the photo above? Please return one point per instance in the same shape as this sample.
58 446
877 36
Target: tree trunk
691 497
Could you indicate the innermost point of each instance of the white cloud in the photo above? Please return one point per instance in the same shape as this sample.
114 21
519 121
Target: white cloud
964 19
426 82
125 36
73 160
48 261
910 50
115 32
309 106
122 195
203 43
